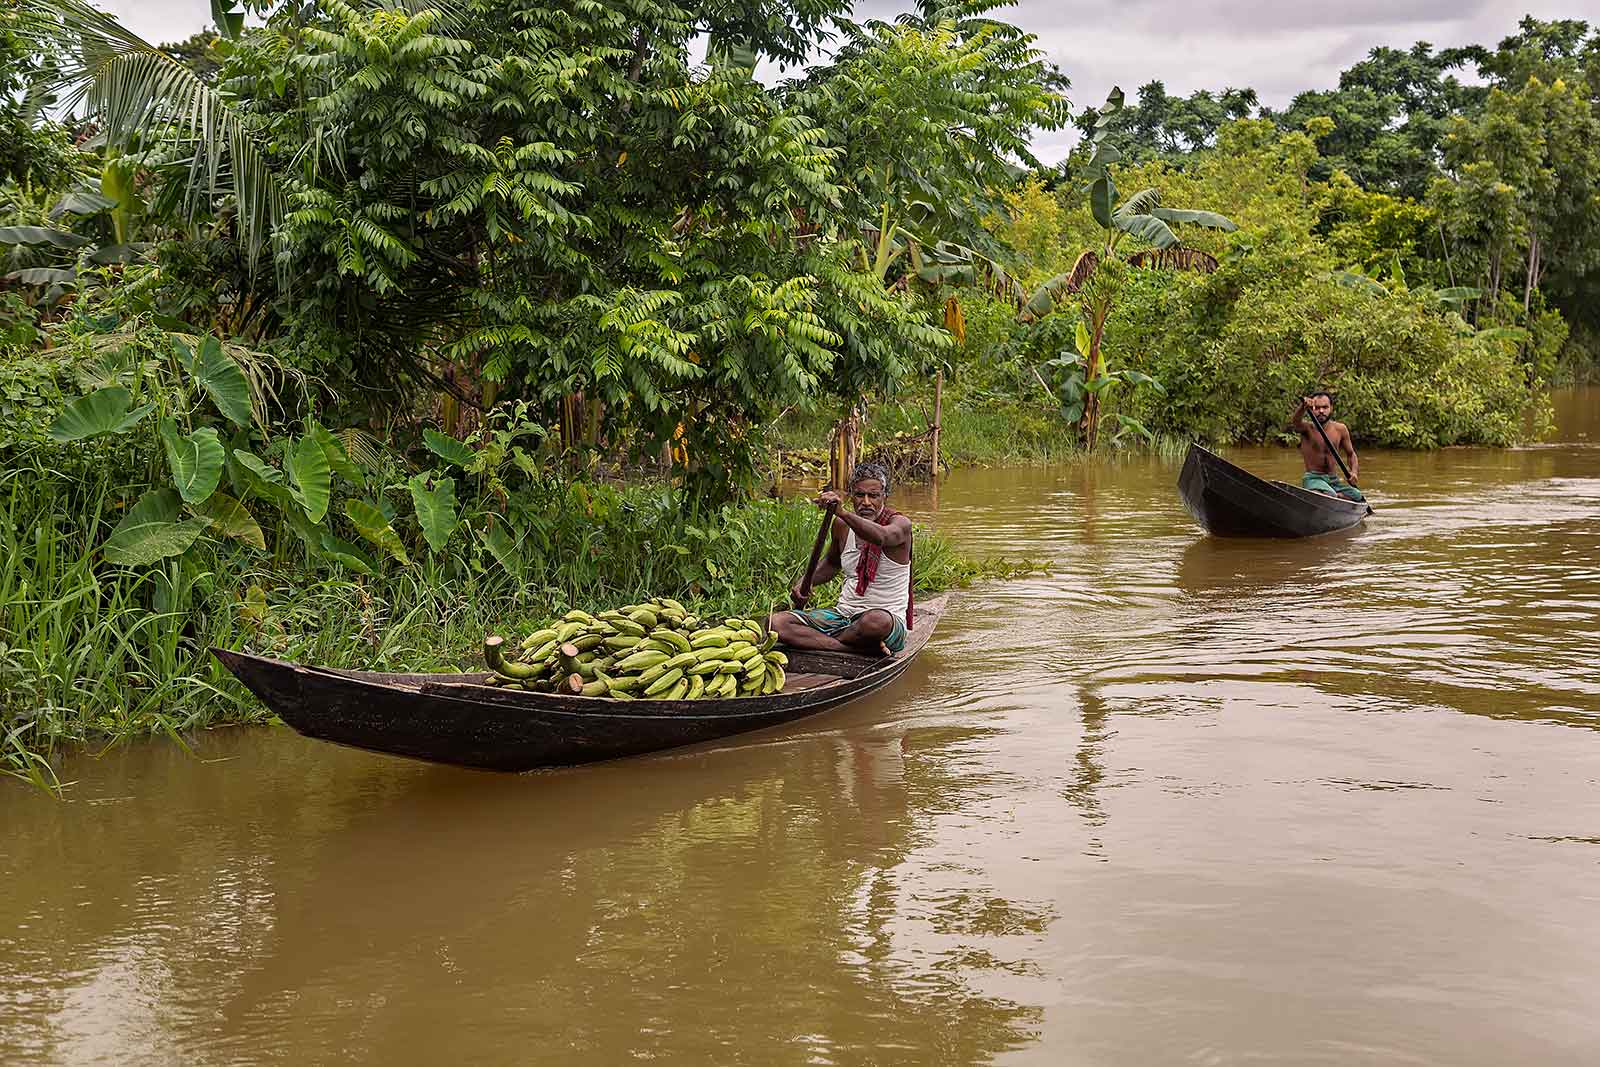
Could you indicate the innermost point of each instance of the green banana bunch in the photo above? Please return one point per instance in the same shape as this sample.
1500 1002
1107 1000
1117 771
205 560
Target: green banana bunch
655 650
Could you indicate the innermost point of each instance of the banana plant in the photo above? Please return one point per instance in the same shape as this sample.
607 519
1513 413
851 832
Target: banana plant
1095 280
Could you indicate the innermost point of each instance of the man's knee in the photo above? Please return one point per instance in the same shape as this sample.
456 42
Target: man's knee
875 624
780 621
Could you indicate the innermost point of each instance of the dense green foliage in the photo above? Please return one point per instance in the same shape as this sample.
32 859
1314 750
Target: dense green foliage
346 329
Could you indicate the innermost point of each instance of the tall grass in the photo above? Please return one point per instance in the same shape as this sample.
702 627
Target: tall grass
93 653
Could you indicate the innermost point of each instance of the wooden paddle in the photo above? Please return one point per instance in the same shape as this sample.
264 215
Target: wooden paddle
1334 452
803 594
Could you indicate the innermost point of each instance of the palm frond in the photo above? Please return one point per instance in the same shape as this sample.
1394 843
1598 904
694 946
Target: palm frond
139 94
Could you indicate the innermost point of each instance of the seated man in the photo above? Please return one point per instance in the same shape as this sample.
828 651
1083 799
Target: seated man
871 544
1322 468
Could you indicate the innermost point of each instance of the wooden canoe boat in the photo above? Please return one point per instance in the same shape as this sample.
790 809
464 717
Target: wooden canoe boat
460 720
1231 502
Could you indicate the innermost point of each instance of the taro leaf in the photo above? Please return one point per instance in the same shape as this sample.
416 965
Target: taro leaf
308 466
449 449
436 509
1103 200
230 518
309 533
268 475
371 524
341 551
195 460
505 551
41 235
184 352
151 530
101 412
1072 412
223 381
1101 384
338 459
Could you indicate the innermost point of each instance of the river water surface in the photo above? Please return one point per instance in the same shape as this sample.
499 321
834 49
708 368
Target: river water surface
1179 802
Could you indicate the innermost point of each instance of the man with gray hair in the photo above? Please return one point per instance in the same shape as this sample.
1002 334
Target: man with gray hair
871 546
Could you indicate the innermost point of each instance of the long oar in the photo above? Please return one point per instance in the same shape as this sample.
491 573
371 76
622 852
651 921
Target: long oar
803 594
1334 452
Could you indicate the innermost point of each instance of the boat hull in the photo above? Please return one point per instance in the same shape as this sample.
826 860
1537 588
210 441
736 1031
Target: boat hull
458 719
1231 502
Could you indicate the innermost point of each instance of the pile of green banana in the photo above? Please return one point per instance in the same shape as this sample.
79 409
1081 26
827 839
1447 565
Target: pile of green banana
653 651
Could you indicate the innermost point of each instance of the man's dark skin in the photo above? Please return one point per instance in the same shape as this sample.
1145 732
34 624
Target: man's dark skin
1312 448
866 633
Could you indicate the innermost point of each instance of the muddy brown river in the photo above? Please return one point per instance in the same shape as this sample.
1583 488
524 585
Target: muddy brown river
1179 802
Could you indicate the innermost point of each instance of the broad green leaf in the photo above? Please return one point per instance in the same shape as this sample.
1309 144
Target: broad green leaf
1101 384
1140 203
151 531
1133 377
81 202
436 509
43 276
123 253
1083 339
370 523
1103 200
338 459
1072 411
1148 228
229 22
504 549
1209 219
41 235
341 551
223 381
184 353
1351 279
1457 294
230 518
1128 425
101 412
449 449
253 605
260 468
270 478
308 467
195 460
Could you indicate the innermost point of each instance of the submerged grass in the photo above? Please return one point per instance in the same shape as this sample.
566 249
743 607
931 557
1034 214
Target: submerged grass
92 653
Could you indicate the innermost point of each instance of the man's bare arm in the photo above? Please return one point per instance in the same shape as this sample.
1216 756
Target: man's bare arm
1297 420
1347 445
898 532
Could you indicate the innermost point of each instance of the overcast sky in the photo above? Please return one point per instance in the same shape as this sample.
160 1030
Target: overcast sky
1277 47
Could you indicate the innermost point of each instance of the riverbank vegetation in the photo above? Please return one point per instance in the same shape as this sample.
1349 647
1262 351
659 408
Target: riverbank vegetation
350 332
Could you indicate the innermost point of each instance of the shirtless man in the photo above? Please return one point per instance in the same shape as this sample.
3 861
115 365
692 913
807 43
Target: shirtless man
872 547
1322 470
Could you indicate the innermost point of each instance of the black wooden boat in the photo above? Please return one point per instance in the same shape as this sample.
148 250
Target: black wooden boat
461 720
1231 502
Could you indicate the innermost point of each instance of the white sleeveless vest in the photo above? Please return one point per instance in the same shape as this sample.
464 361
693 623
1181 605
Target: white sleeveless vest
890 590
